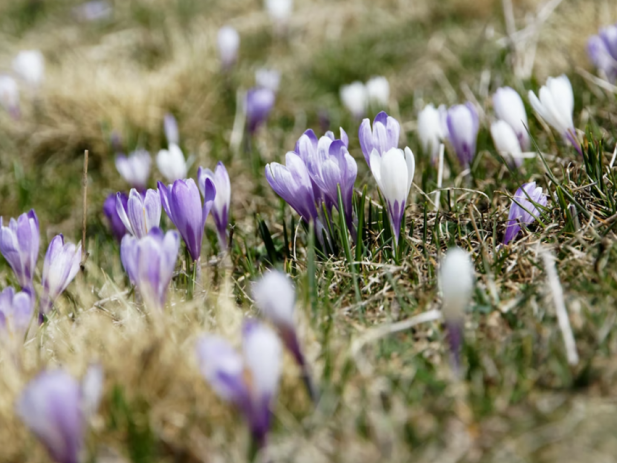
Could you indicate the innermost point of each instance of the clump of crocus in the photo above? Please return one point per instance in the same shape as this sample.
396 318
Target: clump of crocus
509 107
463 125
140 213
57 408
29 65
355 98
506 142
228 43
555 105
135 169
524 209
382 138
182 203
19 244
15 313
456 280
378 91
275 298
259 102
150 262
109 209
9 95
430 130
61 265
222 199
171 163
393 172
248 380
602 50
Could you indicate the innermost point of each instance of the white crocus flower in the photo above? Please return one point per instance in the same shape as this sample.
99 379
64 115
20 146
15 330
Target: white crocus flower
171 163
378 91
30 66
355 98
430 130
509 107
506 142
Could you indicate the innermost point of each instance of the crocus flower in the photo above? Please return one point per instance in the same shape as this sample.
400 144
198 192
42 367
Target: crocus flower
171 163
382 138
602 50
19 244
268 78
228 42
140 213
393 172
355 98
509 107
456 280
61 265
523 211
258 104
15 313
109 209
275 298
430 130
135 169
150 262
170 127
222 200
56 408
279 11
506 142
182 203
378 90
555 106
9 95
249 381
29 65
463 125
292 182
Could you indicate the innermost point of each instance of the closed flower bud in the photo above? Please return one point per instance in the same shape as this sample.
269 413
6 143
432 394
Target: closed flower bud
602 50
506 142
355 98
258 104
171 163
222 200
61 265
509 107
19 244
463 125
430 130
170 127
378 90
523 211
228 42
109 209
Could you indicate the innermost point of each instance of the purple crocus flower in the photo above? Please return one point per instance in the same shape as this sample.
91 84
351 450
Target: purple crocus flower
109 209
19 244
150 262
463 125
182 203
250 380
56 408
523 211
222 200
258 104
140 213
602 50
135 168
15 313
382 138
60 267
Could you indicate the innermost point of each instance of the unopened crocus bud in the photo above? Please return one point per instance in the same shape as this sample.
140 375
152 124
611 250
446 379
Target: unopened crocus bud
182 203
150 262
61 265
555 105
140 213
109 209
15 313
228 42
222 200
509 107
430 130
355 98
463 125
9 95
506 142
602 50
268 78
523 211
393 172
170 127
171 163
29 65
456 280
19 244
378 91
135 168
56 408
382 137
258 104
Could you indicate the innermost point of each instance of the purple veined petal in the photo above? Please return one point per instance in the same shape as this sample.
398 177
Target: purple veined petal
61 266
16 311
365 135
306 146
522 210
165 193
128 256
149 272
185 202
118 229
396 210
344 137
222 198
136 214
152 206
209 197
463 127
121 205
